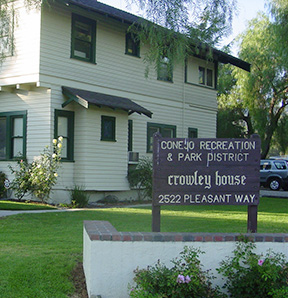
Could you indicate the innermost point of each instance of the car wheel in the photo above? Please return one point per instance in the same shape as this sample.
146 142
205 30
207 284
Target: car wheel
274 184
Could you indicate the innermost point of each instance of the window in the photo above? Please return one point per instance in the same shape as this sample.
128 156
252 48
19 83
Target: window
130 135
13 135
201 75
205 76
132 45
209 77
165 72
192 133
64 127
83 40
108 125
166 131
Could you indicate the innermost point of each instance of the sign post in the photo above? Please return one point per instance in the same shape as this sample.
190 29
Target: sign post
206 172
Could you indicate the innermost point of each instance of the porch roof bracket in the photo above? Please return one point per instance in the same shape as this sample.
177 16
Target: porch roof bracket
71 97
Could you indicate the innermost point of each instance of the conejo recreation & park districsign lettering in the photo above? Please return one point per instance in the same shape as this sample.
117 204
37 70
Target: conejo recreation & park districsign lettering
206 171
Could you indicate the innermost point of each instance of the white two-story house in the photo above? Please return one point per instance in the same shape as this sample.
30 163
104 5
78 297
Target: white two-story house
73 70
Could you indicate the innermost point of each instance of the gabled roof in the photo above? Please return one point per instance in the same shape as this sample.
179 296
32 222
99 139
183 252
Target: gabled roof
123 16
84 98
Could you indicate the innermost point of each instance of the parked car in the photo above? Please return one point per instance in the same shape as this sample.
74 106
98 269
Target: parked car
274 174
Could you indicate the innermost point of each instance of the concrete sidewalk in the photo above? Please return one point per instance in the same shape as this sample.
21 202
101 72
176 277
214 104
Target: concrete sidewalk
263 193
13 212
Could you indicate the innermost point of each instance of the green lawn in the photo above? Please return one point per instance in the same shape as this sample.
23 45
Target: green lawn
14 205
38 251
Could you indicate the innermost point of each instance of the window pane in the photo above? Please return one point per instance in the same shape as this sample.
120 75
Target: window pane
192 133
2 137
18 127
62 126
130 135
151 132
201 75
108 128
17 147
64 151
167 132
83 31
164 71
82 49
209 77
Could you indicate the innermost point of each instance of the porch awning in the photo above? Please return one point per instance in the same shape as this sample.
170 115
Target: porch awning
85 98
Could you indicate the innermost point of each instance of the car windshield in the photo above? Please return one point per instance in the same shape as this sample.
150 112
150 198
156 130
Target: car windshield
265 166
280 165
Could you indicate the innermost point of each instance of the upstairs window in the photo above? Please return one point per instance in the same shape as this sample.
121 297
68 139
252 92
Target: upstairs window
12 135
83 40
132 45
165 72
205 76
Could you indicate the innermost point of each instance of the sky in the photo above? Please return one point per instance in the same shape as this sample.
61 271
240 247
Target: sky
248 9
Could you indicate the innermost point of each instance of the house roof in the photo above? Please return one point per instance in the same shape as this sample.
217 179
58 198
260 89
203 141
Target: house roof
84 98
123 16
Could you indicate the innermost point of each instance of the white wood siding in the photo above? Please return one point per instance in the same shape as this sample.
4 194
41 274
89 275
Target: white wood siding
37 104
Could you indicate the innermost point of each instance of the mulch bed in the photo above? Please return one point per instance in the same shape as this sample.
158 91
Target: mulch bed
79 282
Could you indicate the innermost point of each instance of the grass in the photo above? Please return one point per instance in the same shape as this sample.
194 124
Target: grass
39 251
13 205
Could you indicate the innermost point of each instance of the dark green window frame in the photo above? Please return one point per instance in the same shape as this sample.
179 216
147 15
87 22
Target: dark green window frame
9 136
130 135
68 137
192 133
83 40
164 129
132 45
108 128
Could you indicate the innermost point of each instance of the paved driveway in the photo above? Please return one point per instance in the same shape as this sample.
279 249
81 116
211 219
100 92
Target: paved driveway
273 194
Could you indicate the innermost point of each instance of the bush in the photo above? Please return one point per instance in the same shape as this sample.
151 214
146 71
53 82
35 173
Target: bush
185 279
79 198
2 188
251 275
141 176
38 177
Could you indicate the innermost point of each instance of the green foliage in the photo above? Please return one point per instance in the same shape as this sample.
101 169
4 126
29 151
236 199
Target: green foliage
2 188
79 198
259 98
179 28
141 176
38 177
251 275
185 279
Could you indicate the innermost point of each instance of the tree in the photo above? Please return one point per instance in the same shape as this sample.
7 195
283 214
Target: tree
262 93
178 28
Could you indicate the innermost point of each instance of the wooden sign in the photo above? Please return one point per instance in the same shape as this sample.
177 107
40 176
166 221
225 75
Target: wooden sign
206 171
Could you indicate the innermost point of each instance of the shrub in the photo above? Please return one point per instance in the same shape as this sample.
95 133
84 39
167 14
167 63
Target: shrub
38 177
2 188
251 275
79 198
141 176
185 279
